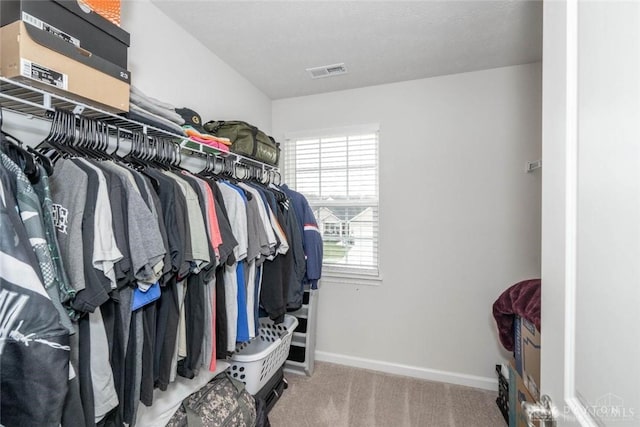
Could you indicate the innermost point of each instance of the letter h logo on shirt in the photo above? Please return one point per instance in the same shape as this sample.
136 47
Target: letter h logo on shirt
60 217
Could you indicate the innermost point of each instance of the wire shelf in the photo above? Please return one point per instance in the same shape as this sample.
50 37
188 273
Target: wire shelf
20 97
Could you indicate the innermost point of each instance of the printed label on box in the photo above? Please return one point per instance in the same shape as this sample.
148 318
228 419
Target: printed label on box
32 20
43 74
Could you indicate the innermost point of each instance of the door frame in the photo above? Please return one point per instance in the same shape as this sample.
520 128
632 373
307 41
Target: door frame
559 211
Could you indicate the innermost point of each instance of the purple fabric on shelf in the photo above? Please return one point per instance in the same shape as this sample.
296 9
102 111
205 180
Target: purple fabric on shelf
522 299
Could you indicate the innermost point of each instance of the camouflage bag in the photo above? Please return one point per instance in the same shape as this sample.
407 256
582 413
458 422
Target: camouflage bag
223 402
247 140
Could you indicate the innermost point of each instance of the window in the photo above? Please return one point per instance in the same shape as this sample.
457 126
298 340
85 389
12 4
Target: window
337 171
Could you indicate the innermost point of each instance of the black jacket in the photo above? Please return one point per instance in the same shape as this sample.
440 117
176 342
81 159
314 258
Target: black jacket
34 346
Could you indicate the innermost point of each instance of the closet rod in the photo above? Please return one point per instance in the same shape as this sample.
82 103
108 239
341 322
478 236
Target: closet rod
22 98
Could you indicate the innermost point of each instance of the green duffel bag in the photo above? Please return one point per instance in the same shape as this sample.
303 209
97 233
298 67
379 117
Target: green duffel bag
247 140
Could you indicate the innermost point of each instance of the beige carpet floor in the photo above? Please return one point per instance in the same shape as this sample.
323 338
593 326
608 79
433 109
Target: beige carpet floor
341 396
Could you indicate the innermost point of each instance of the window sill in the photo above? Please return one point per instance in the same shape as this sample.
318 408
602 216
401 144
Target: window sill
338 278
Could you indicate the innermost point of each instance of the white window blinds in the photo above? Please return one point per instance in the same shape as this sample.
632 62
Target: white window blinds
339 176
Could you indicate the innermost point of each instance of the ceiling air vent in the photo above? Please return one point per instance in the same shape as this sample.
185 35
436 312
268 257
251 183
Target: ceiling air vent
327 71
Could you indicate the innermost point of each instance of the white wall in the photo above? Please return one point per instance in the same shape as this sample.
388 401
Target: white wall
169 64
459 219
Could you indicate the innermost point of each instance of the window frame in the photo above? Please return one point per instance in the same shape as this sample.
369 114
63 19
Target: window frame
334 272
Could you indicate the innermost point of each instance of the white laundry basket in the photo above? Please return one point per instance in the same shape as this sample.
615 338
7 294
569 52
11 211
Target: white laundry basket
255 362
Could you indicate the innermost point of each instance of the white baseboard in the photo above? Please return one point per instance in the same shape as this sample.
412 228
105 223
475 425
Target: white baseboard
485 383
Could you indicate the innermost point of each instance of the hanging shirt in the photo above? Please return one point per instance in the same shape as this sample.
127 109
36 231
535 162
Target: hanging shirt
276 274
104 391
210 214
42 188
295 290
177 226
173 205
227 257
237 213
31 215
95 294
274 217
209 337
264 239
178 207
199 244
199 301
105 247
146 193
250 286
119 208
312 239
158 212
229 242
97 286
32 336
145 242
264 220
242 327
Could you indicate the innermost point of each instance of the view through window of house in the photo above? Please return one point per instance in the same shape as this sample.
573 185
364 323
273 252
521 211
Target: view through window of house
339 177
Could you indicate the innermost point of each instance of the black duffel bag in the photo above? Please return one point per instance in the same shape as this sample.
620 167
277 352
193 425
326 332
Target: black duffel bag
246 140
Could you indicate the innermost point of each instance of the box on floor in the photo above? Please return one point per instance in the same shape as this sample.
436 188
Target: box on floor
527 354
518 394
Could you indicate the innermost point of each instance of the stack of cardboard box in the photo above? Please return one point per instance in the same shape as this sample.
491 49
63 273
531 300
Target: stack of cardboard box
524 372
60 47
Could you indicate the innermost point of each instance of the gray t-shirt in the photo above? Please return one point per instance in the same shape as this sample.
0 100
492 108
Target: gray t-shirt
68 210
123 270
199 243
104 390
105 249
145 241
259 242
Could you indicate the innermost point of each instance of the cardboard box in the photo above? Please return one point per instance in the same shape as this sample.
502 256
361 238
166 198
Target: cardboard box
32 61
518 393
527 354
75 24
70 50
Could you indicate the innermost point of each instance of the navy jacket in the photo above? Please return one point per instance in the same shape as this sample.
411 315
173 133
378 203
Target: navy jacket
311 237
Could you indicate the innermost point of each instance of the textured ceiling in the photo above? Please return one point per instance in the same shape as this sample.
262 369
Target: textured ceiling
271 43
